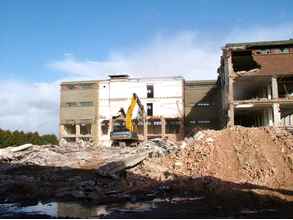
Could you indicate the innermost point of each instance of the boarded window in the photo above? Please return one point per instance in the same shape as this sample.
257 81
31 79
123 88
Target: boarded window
150 91
150 109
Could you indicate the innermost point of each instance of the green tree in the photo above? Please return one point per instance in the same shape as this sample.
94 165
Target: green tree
8 138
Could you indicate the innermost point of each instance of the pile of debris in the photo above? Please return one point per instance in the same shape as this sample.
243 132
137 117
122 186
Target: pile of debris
131 157
258 156
65 155
108 161
262 157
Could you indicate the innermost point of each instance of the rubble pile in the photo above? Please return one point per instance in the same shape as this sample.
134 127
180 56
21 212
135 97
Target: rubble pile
118 160
65 155
259 156
158 147
262 157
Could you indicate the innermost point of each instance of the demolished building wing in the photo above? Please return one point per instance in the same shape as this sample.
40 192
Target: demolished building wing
256 83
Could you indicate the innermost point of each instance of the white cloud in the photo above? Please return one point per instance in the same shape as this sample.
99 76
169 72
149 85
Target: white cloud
29 107
189 54
182 54
35 106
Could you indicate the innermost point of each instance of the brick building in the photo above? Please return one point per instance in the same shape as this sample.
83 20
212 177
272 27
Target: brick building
256 83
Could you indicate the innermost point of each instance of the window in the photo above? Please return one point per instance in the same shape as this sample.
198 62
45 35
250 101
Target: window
71 104
150 109
105 127
204 122
86 104
87 85
71 87
85 129
150 91
70 129
263 51
280 50
172 126
284 50
203 104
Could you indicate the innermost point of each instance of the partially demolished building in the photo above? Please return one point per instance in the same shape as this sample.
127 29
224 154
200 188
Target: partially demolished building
87 107
254 88
256 83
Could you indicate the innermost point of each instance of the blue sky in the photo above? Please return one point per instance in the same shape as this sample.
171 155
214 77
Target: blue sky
33 32
45 42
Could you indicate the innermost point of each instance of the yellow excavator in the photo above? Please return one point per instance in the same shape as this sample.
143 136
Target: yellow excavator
124 129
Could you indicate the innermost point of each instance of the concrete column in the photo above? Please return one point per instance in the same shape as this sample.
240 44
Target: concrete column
77 130
230 121
269 91
61 131
110 127
275 93
182 128
163 126
270 117
94 131
277 114
145 128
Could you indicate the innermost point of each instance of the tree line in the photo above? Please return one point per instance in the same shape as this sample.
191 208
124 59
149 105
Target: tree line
10 138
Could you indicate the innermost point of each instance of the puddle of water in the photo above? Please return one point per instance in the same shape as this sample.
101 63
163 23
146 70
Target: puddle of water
183 207
49 209
75 210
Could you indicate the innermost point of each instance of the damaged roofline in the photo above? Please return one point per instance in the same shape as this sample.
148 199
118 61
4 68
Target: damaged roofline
248 45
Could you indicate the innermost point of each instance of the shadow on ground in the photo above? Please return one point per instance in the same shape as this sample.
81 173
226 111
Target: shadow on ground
30 184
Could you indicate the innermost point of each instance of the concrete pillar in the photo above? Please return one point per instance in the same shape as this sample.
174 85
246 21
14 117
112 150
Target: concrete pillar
61 131
145 128
269 91
277 114
230 94
230 103
110 127
94 131
275 93
77 130
270 117
182 128
163 126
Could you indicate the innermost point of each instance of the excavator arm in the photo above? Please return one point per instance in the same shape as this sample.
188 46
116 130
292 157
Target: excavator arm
134 100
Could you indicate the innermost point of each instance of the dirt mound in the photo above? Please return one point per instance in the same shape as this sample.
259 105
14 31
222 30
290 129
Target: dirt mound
258 156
